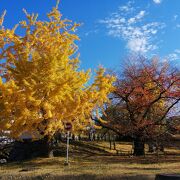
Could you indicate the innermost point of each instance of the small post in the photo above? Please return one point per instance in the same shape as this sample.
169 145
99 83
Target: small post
67 151
68 127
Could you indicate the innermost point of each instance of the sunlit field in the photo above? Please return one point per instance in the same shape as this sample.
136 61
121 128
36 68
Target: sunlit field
100 163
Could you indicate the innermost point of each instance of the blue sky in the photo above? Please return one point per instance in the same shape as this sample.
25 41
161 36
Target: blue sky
112 29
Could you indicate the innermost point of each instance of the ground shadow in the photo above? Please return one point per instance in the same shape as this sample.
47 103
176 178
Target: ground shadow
81 177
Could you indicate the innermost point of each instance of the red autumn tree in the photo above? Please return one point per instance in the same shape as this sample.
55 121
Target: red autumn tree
145 94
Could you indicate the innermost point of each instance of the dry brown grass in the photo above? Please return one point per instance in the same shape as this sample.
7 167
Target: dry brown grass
87 165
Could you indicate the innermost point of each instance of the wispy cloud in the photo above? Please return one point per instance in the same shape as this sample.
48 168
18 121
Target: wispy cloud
127 8
91 32
132 27
157 1
174 56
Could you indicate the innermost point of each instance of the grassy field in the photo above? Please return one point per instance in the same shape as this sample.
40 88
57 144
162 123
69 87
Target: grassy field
94 161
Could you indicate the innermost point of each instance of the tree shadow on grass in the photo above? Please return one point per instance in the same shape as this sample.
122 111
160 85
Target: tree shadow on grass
93 148
82 177
92 153
141 160
91 158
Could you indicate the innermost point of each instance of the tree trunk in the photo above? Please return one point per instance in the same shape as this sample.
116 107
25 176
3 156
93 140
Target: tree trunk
98 137
110 144
89 137
114 144
73 137
161 148
151 147
79 137
138 147
47 147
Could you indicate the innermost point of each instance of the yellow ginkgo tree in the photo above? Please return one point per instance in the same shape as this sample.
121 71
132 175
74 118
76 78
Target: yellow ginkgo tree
41 85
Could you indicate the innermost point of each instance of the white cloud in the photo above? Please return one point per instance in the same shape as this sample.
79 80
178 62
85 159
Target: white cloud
138 44
138 35
127 8
174 56
136 18
177 51
140 15
157 1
